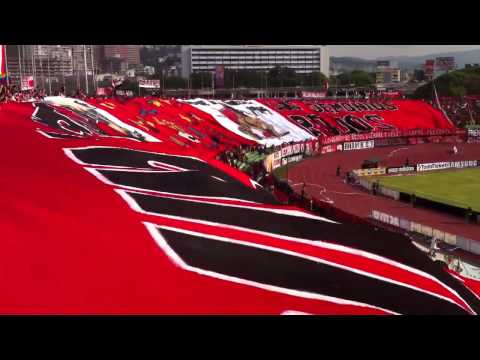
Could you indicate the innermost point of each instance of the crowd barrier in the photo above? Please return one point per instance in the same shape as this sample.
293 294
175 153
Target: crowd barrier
421 167
394 134
416 198
472 246
370 172
297 151
284 193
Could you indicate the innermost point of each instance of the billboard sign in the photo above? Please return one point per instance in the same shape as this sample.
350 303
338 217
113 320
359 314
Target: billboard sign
445 63
149 84
314 94
28 83
358 145
429 67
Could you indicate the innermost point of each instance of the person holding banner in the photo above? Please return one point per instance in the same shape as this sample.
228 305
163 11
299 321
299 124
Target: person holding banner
3 93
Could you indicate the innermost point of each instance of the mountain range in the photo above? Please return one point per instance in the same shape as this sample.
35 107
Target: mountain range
345 64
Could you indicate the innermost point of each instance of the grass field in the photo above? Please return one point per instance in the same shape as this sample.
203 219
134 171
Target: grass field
457 187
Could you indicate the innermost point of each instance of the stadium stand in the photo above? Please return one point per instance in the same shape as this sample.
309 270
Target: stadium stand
124 207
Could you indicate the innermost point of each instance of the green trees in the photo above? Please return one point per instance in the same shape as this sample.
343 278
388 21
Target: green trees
175 82
275 77
456 83
356 78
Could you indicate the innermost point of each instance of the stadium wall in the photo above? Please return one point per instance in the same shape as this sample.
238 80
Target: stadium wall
472 246
414 198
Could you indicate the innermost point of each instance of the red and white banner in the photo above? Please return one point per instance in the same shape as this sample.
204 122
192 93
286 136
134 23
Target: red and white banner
358 145
149 84
394 134
104 91
182 213
312 94
117 81
331 118
28 83
252 120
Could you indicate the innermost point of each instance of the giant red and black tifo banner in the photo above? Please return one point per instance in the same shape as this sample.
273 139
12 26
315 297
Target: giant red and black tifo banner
120 207
328 118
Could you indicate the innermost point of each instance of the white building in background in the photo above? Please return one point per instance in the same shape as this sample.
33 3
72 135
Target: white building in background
301 58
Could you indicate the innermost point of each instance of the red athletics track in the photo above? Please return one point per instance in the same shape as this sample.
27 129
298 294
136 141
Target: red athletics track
321 182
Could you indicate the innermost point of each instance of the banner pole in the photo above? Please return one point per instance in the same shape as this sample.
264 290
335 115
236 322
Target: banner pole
86 71
33 65
94 80
20 66
6 65
49 78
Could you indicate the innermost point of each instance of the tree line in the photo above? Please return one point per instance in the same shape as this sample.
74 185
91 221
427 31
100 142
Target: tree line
455 84
274 78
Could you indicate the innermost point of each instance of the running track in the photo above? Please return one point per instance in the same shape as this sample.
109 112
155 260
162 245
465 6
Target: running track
321 182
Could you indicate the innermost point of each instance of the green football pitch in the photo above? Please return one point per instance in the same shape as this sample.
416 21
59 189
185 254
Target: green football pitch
456 187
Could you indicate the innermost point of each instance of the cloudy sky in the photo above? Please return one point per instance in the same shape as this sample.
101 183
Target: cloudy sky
374 51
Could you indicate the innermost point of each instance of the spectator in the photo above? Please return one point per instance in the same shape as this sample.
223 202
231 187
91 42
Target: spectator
433 246
468 214
3 93
303 191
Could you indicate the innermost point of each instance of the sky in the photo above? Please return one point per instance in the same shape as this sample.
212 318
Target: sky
374 51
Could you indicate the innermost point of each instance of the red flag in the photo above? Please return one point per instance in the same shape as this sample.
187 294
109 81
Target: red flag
3 62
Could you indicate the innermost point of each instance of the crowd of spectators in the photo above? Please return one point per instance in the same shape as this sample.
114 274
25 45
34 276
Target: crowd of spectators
12 93
247 158
462 111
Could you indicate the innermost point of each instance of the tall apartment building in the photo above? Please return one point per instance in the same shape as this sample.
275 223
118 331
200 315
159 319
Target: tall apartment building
51 63
126 53
301 58
386 74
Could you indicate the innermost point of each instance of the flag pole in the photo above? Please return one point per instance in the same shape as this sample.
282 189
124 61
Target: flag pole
94 80
438 102
34 71
49 79
43 73
20 66
213 85
6 66
85 61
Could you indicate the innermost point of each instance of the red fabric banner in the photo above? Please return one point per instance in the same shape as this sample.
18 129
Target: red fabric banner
3 62
97 218
326 118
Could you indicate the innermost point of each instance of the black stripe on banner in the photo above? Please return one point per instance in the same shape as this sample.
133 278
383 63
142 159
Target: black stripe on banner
292 272
201 179
356 236
110 156
201 182
386 244
187 183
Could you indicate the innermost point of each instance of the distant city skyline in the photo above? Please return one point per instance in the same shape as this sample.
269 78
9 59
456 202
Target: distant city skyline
376 51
